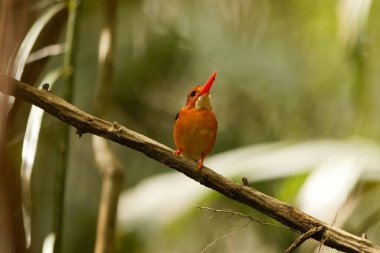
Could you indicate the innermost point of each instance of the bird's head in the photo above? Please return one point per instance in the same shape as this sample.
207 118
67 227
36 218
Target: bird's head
199 96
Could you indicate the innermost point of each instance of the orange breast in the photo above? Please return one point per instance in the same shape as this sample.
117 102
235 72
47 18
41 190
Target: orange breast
195 132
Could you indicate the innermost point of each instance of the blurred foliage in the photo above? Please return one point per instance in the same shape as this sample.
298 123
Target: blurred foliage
283 74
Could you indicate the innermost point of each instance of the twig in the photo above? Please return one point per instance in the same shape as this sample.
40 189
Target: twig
282 212
231 213
326 234
234 213
322 242
303 238
218 239
250 218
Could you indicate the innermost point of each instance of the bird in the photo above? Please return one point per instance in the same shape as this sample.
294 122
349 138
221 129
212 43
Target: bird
195 126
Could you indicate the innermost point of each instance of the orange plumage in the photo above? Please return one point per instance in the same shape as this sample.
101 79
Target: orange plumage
195 126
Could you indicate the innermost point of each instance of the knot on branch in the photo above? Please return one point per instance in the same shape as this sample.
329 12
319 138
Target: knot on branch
79 132
45 86
245 181
116 127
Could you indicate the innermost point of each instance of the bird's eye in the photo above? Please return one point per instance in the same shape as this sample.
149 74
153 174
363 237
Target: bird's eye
192 94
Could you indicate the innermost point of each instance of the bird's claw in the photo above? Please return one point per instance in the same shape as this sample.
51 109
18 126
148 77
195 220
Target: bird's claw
200 164
177 152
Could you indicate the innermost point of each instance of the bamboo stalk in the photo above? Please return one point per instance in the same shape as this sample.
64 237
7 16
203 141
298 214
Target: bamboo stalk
60 178
108 165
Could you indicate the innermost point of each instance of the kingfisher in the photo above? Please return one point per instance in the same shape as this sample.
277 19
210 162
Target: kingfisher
195 124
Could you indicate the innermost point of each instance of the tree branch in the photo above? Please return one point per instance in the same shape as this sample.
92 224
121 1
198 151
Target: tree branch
282 212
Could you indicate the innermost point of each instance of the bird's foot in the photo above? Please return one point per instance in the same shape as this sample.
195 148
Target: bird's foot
200 164
177 152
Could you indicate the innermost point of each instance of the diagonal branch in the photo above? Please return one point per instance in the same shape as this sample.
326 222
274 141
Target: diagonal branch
282 212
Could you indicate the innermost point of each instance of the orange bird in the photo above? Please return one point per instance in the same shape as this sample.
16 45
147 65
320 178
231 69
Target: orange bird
195 124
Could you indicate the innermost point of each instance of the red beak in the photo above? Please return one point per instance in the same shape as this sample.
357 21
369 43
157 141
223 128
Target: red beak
207 87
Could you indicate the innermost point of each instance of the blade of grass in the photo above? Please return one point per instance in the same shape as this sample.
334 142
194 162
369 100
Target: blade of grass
29 149
17 68
30 39
48 245
47 51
